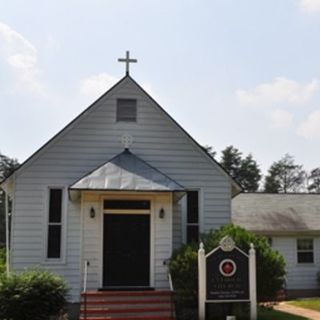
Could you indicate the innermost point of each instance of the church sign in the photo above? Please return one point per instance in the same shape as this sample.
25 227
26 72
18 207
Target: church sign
227 274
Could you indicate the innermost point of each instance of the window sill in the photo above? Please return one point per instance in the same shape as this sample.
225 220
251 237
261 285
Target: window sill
54 262
306 264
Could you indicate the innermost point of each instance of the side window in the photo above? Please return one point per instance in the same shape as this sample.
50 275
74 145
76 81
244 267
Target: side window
54 224
192 216
305 251
126 110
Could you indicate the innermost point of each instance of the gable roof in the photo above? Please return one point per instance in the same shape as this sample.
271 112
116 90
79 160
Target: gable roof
236 188
277 213
126 172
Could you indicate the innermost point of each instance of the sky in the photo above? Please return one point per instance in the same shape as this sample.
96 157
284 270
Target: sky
231 72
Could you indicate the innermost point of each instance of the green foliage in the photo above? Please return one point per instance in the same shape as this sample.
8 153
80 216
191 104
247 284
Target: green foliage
7 166
314 180
245 170
285 176
33 294
270 264
184 271
2 261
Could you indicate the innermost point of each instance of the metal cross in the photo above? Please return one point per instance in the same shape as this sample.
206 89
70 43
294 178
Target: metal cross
127 60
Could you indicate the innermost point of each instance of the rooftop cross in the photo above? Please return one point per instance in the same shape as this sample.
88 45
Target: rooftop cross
127 60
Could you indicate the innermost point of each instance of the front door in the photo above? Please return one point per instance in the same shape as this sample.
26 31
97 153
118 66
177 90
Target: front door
126 250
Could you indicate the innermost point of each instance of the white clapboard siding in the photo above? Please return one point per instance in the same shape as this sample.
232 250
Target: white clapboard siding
90 141
299 275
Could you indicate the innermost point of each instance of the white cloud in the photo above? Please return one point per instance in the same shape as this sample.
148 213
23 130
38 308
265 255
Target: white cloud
310 128
281 119
280 89
310 6
94 86
21 56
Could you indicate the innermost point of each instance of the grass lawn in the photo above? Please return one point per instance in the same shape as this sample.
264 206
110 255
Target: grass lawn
266 314
312 303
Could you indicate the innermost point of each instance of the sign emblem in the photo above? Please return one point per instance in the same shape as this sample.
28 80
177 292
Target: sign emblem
227 267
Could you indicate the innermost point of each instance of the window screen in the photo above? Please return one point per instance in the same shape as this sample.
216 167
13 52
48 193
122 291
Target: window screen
192 216
54 223
127 110
305 250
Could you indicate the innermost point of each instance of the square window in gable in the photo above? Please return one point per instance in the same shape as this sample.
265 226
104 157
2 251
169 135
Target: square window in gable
126 110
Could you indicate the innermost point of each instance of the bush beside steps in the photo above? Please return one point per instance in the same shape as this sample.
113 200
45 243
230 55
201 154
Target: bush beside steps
33 294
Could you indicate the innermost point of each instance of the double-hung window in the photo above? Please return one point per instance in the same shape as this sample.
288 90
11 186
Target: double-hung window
54 241
305 250
192 216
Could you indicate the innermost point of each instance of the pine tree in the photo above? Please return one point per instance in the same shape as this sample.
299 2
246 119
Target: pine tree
244 170
314 181
285 176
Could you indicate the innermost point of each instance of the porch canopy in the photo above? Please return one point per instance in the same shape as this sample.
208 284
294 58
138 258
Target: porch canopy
127 172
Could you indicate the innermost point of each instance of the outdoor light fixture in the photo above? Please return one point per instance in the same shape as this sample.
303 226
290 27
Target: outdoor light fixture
161 213
92 213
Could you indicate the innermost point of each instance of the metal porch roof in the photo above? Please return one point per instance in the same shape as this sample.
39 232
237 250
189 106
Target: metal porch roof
126 172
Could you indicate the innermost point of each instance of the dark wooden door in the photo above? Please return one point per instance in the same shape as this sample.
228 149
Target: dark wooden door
126 246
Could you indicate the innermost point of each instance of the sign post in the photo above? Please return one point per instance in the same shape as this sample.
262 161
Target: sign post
253 283
227 274
202 282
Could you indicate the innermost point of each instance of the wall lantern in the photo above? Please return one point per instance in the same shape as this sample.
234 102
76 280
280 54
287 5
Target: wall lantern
92 213
162 213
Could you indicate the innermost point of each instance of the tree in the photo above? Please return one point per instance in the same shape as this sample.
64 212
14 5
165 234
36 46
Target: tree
7 166
209 150
249 174
284 176
244 170
314 181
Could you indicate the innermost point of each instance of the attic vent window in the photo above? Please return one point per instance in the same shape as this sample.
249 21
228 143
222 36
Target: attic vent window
127 110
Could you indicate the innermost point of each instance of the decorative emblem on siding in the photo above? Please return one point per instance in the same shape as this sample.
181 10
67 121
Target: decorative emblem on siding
227 244
127 140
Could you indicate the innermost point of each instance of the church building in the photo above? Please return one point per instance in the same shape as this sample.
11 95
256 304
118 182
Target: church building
108 198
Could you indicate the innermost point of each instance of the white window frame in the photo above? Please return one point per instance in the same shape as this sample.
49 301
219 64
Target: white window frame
63 223
302 251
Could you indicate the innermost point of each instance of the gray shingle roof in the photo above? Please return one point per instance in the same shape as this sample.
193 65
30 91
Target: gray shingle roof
126 172
277 213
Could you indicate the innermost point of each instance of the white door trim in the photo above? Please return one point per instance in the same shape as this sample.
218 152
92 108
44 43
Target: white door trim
152 226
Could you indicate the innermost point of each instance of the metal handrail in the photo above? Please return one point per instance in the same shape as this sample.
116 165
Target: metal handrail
170 281
166 263
85 280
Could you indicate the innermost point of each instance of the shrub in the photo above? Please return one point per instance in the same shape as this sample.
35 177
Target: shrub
2 261
33 294
270 264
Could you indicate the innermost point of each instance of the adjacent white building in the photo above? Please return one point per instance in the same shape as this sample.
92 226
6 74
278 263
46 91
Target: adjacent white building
291 222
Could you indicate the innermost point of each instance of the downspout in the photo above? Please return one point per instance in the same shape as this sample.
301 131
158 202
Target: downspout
7 233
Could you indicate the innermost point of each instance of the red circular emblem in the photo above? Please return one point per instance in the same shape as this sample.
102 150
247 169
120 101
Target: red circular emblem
227 267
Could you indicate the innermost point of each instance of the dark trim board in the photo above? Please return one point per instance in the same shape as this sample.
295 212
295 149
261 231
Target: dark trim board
126 289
